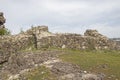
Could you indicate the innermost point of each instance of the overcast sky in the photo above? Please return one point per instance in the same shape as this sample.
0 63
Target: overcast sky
63 15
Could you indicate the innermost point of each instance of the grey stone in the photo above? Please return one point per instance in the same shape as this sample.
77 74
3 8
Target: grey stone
2 19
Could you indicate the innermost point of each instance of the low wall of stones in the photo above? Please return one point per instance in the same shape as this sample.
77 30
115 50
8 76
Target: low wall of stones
41 38
73 41
45 40
14 43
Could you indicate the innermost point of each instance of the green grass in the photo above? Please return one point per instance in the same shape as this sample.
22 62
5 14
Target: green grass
107 62
40 73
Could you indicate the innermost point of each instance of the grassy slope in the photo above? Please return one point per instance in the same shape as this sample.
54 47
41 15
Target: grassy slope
107 62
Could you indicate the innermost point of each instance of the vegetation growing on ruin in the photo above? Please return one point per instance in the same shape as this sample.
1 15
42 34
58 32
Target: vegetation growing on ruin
4 31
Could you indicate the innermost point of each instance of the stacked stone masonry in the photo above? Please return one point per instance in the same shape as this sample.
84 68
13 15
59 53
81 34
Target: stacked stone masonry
44 39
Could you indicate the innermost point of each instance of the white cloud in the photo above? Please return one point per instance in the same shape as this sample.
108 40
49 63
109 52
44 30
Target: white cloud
63 15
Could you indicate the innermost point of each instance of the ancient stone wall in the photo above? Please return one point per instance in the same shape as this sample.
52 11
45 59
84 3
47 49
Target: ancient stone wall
73 41
16 42
23 40
11 44
40 37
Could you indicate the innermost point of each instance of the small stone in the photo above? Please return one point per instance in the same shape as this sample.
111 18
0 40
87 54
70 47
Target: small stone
85 72
63 47
89 77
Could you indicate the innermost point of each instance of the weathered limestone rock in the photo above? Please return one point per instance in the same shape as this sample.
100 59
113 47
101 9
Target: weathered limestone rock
40 37
94 33
4 57
37 30
4 54
73 41
91 77
102 42
2 20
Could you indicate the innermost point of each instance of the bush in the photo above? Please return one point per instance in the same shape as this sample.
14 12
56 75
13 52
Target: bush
4 31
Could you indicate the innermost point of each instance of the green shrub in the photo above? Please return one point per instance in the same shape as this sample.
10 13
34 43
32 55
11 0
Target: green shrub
4 31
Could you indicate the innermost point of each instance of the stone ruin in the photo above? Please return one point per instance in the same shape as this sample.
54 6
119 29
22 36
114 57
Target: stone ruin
40 38
76 41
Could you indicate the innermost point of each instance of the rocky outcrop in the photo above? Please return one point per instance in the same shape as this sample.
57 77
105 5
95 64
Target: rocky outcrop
2 20
22 63
11 44
94 33
103 42
4 54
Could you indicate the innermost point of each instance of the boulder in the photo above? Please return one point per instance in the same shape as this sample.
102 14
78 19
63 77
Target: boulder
2 19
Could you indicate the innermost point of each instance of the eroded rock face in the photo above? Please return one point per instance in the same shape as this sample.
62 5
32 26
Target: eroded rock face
4 57
102 41
2 20
22 63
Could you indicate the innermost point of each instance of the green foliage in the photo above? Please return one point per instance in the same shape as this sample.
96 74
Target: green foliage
4 31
